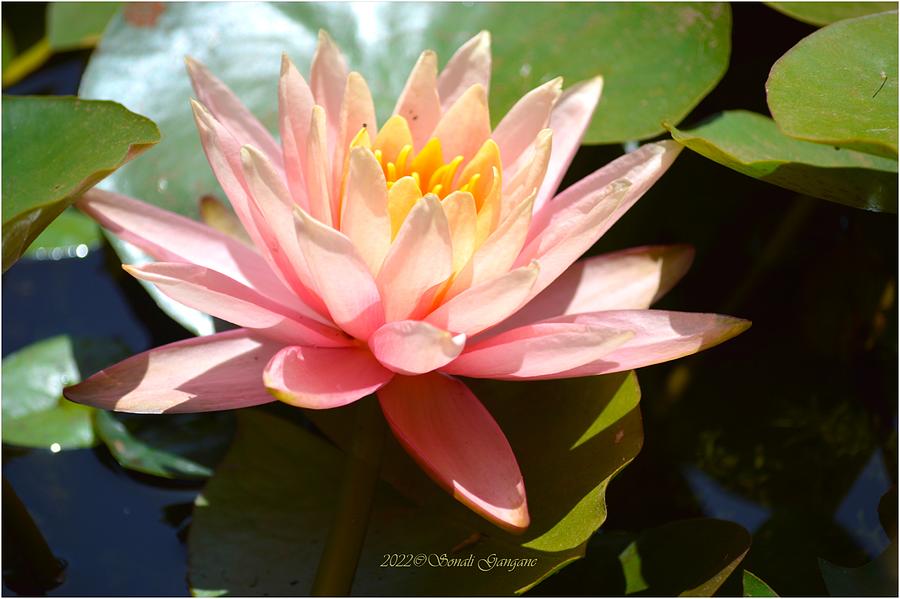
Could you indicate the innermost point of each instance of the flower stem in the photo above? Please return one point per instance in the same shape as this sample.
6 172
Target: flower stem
337 566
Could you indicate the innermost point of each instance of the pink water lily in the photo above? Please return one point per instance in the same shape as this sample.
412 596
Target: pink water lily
387 260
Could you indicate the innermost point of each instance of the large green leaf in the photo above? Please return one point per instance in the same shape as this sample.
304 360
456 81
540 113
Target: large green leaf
687 557
55 148
261 522
823 13
752 144
35 414
73 25
170 445
838 86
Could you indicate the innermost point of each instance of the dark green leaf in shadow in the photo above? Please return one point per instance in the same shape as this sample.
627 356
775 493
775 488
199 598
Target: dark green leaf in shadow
9 47
171 446
689 558
755 587
261 522
878 578
823 13
71 235
570 438
72 25
55 148
838 86
751 143
35 414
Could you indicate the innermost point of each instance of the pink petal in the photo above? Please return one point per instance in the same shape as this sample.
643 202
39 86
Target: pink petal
174 238
222 297
466 125
659 336
521 125
201 374
327 77
318 169
526 175
539 350
224 155
470 65
414 347
317 378
295 102
339 276
499 251
569 225
365 219
628 279
483 306
420 258
231 112
419 103
458 443
274 210
462 216
357 113
569 120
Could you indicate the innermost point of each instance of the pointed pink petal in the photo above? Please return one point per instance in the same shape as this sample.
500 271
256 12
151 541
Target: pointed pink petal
224 155
340 277
317 378
538 350
419 103
414 347
570 224
470 65
357 113
458 443
521 125
420 258
202 374
525 176
318 169
498 253
660 336
327 77
274 208
627 279
174 238
222 297
231 112
569 120
365 219
466 125
295 102
482 306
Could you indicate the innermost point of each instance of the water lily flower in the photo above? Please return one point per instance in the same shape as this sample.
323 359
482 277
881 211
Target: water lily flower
391 259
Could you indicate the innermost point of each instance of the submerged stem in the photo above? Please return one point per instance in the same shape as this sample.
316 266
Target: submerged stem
340 555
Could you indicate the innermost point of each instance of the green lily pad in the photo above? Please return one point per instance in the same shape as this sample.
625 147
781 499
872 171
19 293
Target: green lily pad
260 524
878 578
55 148
35 414
823 13
751 143
169 446
690 558
838 86
755 587
72 25
71 235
